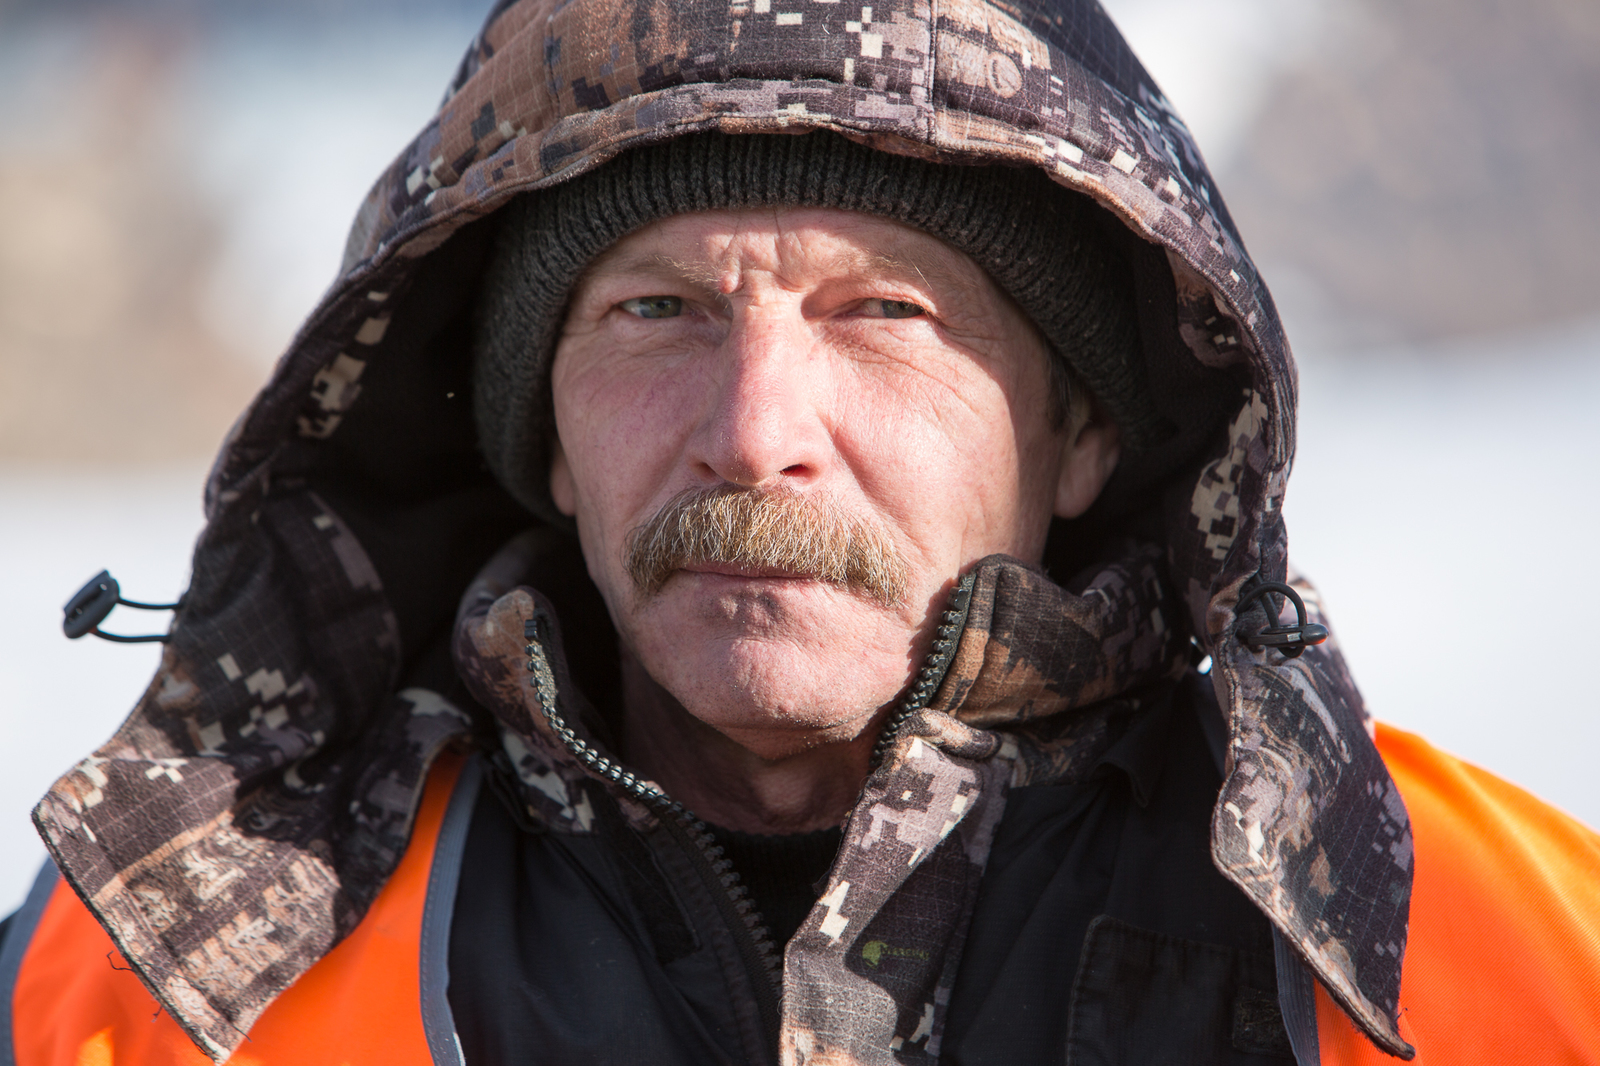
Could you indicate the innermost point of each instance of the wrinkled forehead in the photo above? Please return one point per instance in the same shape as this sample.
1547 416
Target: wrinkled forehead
713 250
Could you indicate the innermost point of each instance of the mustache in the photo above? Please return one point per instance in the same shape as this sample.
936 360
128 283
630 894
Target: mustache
757 529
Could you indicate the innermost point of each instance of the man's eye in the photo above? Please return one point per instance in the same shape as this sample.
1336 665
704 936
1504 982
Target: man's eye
653 306
899 308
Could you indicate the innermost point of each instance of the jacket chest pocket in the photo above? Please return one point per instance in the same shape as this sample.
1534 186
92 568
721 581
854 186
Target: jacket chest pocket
1143 998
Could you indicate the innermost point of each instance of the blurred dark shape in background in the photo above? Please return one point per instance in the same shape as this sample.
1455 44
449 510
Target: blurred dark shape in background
1429 169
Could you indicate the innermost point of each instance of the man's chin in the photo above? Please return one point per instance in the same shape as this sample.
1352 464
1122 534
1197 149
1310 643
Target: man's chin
798 661
798 692
776 743
776 726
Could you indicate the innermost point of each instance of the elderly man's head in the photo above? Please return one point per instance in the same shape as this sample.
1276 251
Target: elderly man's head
783 430
783 433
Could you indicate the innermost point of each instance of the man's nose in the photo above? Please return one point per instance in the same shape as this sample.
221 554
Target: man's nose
763 427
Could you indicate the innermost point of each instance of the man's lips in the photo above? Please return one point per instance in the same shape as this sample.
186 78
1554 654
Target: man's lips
754 573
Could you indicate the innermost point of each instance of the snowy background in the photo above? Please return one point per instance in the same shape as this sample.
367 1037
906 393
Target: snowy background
180 180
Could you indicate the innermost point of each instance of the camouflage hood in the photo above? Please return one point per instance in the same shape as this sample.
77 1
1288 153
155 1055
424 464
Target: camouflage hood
241 821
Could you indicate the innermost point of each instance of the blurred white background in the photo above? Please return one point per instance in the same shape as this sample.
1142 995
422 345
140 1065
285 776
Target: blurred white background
181 186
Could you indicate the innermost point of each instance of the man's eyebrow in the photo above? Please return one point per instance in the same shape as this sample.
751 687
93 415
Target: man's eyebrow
859 262
615 261
927 269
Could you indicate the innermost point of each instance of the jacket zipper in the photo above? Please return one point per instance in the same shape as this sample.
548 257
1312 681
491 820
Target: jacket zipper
755 945
760 954
934 667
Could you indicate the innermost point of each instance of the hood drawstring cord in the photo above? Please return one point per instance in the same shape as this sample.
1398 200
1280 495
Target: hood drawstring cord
1290 640
91 604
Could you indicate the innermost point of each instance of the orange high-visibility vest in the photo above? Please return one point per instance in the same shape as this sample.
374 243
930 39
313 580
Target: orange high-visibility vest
1502 967
1503 961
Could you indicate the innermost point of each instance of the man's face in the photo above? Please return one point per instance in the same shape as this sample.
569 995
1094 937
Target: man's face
818 356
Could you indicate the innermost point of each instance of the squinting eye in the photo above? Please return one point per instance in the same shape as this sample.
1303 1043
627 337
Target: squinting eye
900 308
653 306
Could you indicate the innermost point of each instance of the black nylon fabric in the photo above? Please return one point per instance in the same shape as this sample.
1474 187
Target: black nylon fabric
1128 843
606 967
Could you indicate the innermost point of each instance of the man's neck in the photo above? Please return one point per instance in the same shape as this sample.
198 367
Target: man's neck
727 784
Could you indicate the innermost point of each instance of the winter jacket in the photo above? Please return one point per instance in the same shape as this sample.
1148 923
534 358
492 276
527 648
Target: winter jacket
257 814
1485 903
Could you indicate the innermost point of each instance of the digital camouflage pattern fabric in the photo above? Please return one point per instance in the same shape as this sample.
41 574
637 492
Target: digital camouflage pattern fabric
241 821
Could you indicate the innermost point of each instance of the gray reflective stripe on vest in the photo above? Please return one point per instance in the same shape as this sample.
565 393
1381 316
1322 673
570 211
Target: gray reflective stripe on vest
1297 1000
438 910
18 936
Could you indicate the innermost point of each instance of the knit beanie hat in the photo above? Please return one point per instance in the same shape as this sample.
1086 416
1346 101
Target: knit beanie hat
1042 244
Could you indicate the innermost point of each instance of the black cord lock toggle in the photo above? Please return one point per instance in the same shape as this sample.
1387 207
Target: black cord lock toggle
1290 640
92 603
